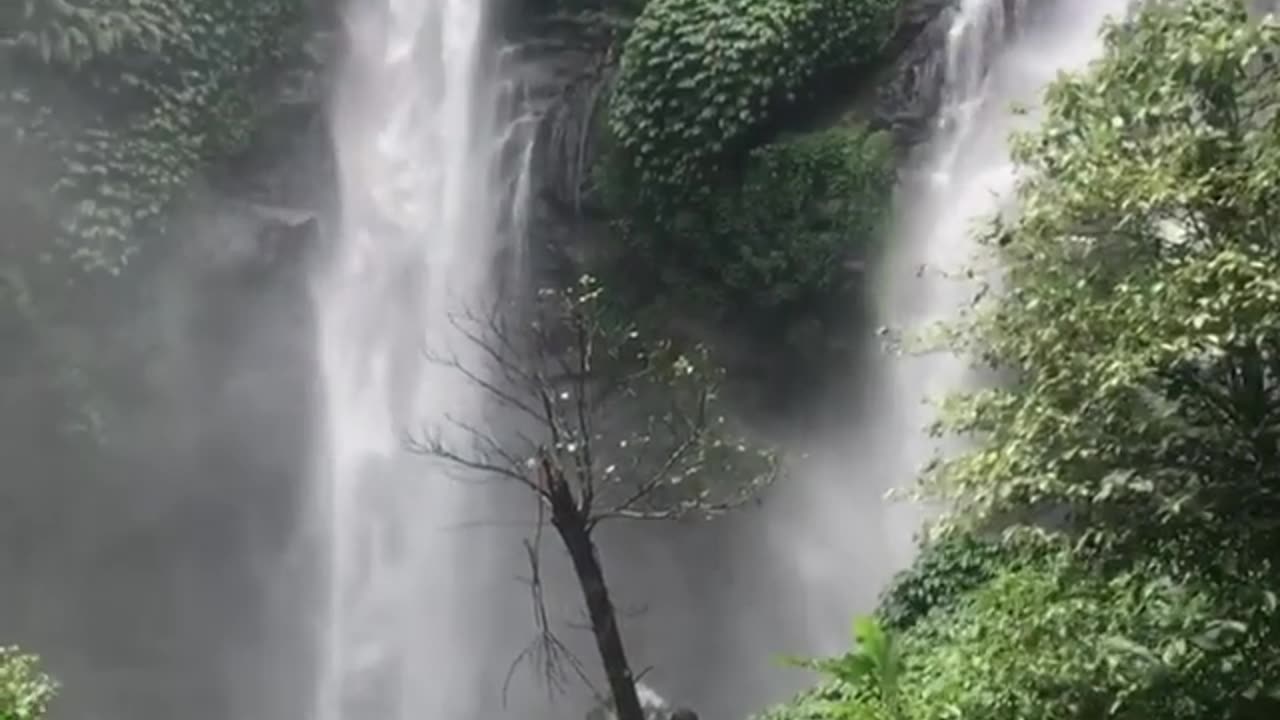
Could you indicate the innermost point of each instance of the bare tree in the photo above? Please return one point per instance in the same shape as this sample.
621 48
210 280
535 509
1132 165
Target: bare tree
616 428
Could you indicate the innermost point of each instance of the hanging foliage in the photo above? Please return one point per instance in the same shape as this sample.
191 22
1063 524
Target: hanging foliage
697 77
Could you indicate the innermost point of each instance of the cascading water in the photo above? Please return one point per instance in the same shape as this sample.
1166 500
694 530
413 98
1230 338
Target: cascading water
429 210
1001 53
833 540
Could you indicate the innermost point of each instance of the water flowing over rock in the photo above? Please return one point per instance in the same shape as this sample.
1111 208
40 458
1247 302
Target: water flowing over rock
430 187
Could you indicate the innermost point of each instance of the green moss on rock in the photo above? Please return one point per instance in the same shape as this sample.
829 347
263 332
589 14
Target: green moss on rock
698 76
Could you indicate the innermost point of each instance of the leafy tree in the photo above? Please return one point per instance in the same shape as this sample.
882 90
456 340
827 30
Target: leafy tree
617 429
25 692
1139 327
1137 332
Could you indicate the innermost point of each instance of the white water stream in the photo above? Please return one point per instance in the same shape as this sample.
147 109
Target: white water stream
427 204
844 540
994 63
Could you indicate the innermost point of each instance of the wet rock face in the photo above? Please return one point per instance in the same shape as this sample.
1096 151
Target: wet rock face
909 94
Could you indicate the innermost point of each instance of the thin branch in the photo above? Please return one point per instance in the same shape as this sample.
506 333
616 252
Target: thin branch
546 650
649 486
502 396
586 469
749 493
434 447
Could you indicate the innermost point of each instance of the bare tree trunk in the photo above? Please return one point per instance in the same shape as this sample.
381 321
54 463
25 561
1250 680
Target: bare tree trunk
604 623
572 527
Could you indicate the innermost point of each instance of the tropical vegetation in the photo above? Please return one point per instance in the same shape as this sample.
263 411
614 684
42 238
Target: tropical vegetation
1111 548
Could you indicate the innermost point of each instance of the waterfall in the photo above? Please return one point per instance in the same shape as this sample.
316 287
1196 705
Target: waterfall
833 539
432 176
1001 54
431 181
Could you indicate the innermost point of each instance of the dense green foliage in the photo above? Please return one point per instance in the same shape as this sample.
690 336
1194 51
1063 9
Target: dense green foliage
110 108
780 238
698 77
1138 337
943 572
1141 330
1055 640
1061 641
125 101
713 214
805 207
25 692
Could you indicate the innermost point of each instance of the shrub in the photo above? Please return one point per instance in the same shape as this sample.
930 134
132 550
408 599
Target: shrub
25 692
698 76
942 572
1059 642
805 206
1054 640
776 238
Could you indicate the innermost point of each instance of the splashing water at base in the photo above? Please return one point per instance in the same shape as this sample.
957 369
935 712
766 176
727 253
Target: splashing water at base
427 213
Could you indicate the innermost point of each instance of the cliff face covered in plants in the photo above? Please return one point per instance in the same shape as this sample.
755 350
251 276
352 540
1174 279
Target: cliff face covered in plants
735 158
116 111
125 313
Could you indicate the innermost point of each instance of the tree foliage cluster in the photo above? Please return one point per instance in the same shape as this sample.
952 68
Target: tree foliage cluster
708 210
1137 335
25 692
770 242
781 235
698 77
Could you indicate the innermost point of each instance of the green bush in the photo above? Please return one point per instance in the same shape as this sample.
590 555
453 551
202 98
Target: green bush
804 208
1054 640
25 692
777 238
698 76
1059 642
942 573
